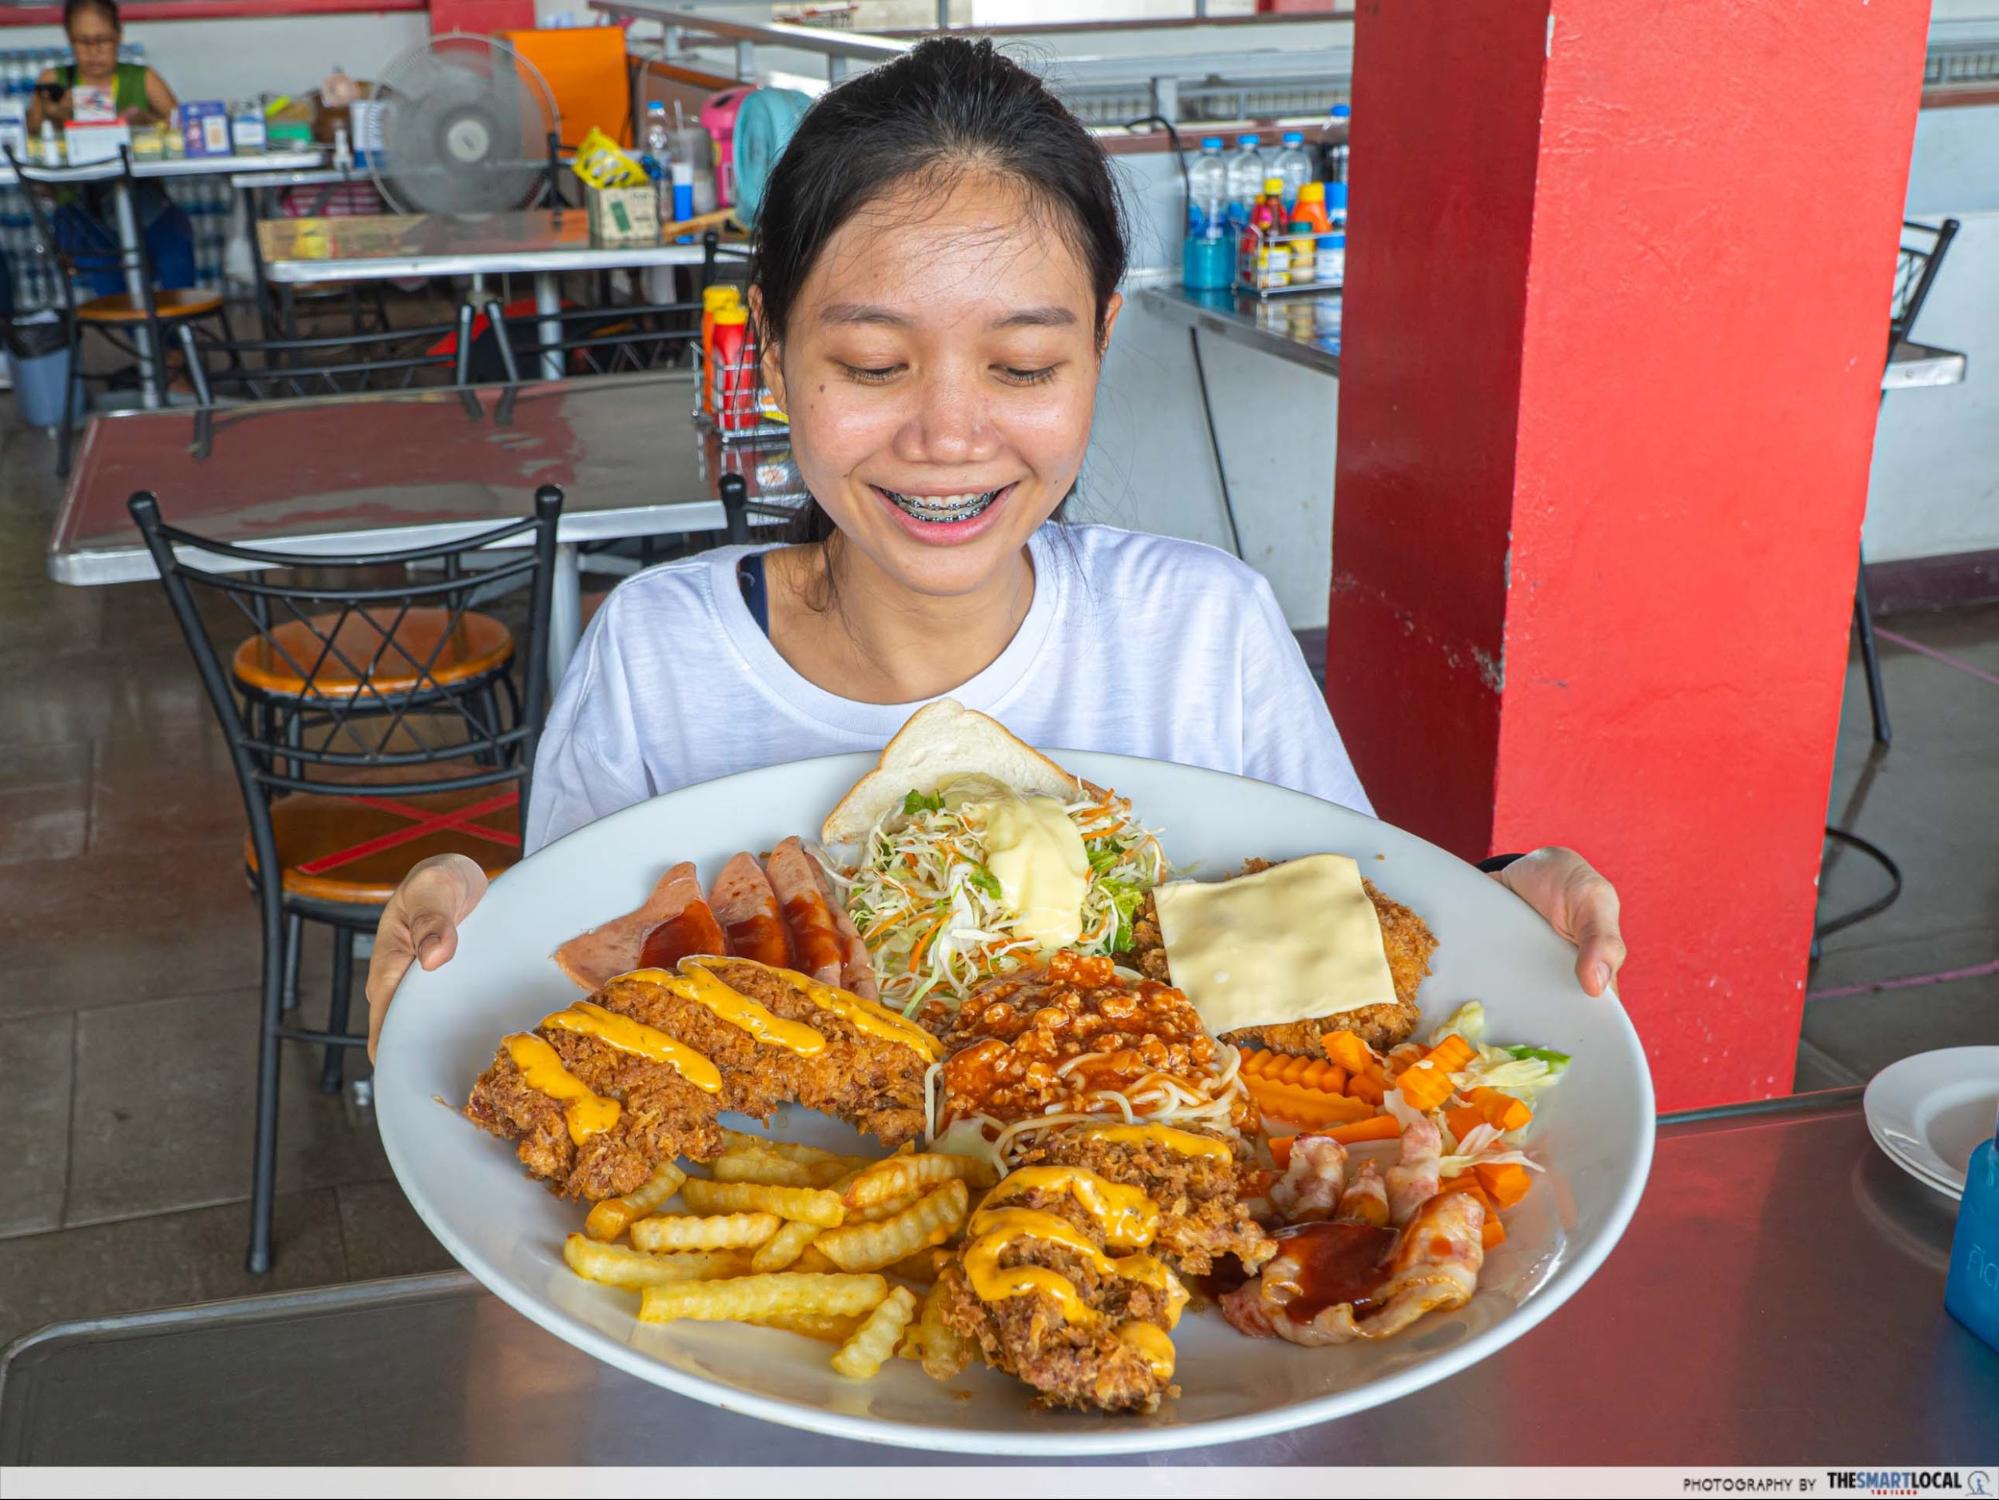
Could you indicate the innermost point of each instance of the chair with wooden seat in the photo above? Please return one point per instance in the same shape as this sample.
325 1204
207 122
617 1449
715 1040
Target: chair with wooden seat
119 317
375 719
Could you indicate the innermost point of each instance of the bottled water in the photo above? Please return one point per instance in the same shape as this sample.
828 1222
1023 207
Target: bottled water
659 157
1208 191
1246 171
1292 166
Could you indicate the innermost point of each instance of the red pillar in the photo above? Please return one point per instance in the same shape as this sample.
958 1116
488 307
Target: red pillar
1616 309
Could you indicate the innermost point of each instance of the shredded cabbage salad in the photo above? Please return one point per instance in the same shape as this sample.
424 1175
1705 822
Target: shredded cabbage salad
933 916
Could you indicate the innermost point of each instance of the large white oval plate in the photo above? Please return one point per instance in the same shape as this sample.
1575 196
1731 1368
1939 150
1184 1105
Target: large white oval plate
1594 1131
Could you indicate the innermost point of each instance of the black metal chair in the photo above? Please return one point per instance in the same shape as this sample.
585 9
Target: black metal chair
1916 267
367 734
610 340
327 365
118 317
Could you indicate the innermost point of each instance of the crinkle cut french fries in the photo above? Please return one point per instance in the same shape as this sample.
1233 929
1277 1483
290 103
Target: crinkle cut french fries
792 1237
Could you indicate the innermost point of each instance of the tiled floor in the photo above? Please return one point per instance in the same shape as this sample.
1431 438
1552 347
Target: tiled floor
127 1013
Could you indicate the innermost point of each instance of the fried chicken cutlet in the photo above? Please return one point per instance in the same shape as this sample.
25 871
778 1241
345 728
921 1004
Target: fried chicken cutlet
1054 1300
599 1123
1409 944
1201 1217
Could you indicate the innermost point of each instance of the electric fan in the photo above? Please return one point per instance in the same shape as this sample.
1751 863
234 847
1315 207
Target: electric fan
462 128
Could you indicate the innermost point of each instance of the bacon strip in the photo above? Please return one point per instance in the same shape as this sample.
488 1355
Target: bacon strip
1412 1181
615 948
814 935
746 906
1313 1182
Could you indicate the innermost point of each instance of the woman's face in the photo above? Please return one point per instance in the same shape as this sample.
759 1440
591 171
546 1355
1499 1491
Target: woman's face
93 37
939 370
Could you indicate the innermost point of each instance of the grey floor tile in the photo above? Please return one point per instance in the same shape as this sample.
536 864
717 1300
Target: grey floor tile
383 1235
1970 634
106 691
164 1261
167 791
43 620
36 1063
44 802
105 929
166 1107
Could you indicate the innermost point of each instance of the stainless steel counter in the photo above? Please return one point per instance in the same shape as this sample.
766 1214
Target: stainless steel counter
1778 1300
1304 328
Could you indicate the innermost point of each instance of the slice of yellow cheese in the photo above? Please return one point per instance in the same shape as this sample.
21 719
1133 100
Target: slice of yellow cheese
1292 943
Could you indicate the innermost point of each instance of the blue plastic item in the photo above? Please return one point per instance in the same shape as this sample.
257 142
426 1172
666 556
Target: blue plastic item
1207 262
1971 1294
764 127
40 378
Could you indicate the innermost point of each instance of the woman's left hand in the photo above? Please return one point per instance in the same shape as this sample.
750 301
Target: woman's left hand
1578 903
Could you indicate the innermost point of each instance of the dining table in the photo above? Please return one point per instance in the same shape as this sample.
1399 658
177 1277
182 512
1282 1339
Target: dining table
383 471
544 243
125 221
1777 1301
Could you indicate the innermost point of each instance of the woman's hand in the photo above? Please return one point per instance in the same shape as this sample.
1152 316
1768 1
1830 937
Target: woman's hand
1578 903
420 923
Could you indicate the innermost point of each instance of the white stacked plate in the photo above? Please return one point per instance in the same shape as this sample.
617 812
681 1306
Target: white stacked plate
1930 1111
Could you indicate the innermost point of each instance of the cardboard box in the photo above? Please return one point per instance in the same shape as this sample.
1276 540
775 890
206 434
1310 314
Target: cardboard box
204 126
624 216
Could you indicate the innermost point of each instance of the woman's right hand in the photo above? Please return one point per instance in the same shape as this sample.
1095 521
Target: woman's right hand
420 923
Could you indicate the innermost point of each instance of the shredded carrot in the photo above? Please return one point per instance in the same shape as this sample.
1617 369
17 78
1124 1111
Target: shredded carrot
1101 833
923 944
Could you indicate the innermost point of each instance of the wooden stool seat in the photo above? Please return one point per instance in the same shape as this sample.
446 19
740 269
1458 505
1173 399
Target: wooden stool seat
167 304
357 849
427 650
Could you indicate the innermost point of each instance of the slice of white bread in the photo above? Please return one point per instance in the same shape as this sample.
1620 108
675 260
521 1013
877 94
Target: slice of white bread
941 742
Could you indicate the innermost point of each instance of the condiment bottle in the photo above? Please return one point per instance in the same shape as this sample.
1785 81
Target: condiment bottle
1971 1294
733 375
1304 254
713 300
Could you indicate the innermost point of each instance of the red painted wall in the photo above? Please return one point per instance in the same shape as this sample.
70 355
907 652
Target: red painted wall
1616 310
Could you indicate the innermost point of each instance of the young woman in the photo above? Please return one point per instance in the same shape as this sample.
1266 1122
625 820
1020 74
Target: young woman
139 96
935 282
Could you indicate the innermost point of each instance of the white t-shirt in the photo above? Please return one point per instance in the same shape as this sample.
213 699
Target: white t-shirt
1133 643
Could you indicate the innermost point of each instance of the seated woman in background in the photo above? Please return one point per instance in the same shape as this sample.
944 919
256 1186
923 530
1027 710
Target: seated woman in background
139 96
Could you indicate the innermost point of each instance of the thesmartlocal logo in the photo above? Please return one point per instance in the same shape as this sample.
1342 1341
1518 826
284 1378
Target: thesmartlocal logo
1898 1481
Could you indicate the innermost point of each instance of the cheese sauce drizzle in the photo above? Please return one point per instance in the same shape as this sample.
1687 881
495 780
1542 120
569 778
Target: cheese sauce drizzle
1186 1142
622 1032
994 1230
877 1021
541 1066
1127 1217
738 1009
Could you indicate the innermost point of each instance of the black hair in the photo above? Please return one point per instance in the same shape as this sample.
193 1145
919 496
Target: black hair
948 105
71 9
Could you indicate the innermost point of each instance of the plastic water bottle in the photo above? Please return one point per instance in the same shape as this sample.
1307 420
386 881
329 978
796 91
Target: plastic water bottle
1246 171
1208 191
1333 144
659 153
1292 166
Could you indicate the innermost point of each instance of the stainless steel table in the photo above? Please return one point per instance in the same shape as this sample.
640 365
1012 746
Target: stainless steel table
1778 1300
1303 327
351 474
127 225
541 242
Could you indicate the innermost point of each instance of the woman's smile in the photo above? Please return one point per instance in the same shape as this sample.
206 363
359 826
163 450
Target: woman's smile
945 518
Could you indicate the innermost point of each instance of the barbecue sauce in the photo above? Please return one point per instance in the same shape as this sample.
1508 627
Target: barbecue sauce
695 930
1337 1262
763 937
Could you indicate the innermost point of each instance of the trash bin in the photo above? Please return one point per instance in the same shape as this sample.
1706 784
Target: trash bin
38 356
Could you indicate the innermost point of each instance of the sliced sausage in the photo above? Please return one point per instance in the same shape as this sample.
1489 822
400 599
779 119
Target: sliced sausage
815 937
857 968
615 948
746 906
